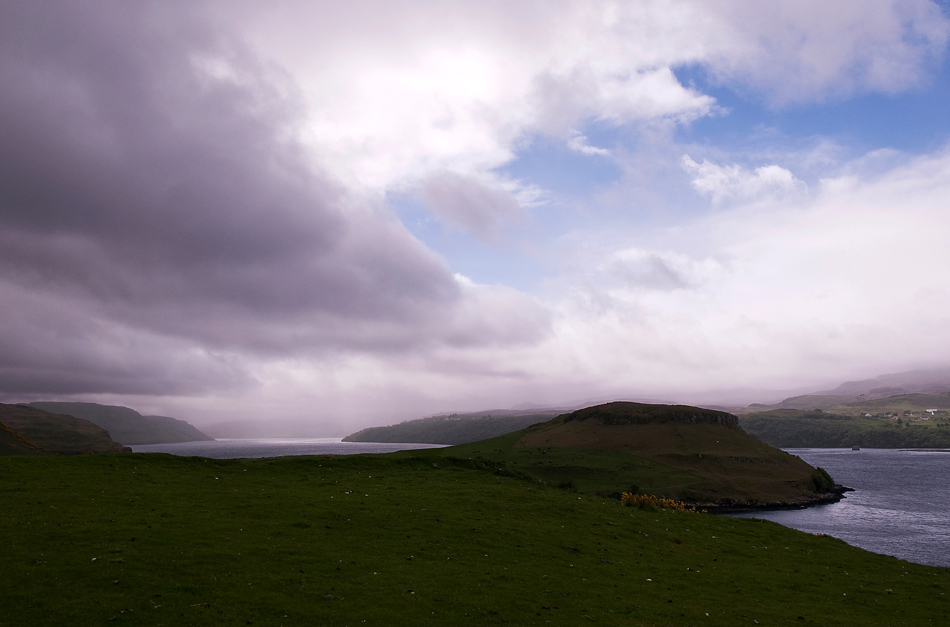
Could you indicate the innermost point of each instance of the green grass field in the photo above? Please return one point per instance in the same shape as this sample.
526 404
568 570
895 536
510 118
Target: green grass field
407 540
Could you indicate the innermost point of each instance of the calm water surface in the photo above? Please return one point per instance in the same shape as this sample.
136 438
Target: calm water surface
275 447
900 506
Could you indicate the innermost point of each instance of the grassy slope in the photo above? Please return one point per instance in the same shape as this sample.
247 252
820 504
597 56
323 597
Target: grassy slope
58 433
12 443
855 406
700 463
394 540
807 402
793 428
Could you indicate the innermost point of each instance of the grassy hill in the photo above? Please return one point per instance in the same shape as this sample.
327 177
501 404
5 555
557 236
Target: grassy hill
807 402
408 540
855 406
127 426
681 452
12 443
790 428
57 433
454 429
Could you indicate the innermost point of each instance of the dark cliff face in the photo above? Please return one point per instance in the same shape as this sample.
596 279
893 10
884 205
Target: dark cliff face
626 413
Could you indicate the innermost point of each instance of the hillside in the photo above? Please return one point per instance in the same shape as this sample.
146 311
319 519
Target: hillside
696 455
127 426
56 433
933 381
789 428
454 429
857 406
805 402
181 427
12 443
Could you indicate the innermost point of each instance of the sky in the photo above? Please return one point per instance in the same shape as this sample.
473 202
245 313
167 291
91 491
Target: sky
349 214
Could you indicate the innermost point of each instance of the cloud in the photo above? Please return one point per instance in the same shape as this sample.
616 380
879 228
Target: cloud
578 143
410 90
849 279
192 196
813 50
643 269
150 177
737 183
466 202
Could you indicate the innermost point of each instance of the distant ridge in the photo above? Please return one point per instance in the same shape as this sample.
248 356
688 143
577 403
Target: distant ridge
181 427
806 402
933 381
32 431
454 428
127 426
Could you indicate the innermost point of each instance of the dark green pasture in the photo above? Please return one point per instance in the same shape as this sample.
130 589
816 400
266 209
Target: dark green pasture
399 540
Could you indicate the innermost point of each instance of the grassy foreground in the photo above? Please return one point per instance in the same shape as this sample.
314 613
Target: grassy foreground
425 540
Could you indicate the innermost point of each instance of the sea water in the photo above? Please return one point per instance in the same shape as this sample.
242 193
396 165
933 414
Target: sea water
275 447
900 505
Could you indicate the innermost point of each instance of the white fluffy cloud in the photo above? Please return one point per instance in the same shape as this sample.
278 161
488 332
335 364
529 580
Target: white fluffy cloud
855 276
737 183
813 49
403 89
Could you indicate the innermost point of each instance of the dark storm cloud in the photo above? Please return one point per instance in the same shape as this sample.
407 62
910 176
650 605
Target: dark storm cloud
154 209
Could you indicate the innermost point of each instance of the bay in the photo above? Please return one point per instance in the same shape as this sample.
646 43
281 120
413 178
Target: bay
900 506
275 447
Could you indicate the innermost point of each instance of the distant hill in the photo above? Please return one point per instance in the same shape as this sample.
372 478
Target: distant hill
688 453
453 429
852 397
857 405
933 381
32 431
181 427
806 402
127 426
12 443
791 428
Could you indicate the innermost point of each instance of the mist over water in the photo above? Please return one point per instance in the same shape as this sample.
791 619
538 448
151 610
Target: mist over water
275 447
900 506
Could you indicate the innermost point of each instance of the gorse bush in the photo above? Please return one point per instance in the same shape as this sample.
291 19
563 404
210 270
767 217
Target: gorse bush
644 501
822 481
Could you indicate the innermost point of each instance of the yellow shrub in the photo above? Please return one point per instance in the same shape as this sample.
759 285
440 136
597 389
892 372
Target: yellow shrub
649 500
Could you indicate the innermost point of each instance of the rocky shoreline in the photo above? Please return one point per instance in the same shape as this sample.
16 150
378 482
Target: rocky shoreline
728 506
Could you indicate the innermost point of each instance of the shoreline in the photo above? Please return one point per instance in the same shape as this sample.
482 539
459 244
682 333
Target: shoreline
741 507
